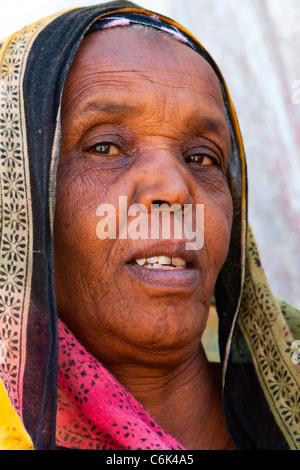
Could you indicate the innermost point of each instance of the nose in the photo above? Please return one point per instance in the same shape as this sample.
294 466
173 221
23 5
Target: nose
162 178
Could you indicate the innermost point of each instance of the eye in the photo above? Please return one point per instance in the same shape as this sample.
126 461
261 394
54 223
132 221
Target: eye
200 159
105 148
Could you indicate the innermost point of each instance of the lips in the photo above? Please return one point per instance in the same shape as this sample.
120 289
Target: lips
167 267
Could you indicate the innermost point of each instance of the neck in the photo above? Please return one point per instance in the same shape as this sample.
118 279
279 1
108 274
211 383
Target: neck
185 401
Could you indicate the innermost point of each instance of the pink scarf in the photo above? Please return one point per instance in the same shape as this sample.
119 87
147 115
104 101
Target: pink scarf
94 411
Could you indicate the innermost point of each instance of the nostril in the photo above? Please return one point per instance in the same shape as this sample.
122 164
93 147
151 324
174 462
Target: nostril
159 202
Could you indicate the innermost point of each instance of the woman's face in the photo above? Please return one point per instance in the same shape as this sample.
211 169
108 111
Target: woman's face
142 118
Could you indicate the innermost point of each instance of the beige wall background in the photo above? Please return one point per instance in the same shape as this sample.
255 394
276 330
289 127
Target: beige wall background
257 46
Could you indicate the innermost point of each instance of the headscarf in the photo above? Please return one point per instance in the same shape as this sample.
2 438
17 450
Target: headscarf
42 363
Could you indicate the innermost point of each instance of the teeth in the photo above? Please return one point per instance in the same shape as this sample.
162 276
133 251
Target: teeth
156 266
159 266
152 260
177 262
162 262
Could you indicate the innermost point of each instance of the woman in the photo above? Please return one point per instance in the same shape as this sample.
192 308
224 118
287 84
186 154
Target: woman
102 103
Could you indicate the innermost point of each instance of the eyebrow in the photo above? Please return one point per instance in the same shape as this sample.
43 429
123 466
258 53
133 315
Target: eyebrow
114 109
207 124
197 121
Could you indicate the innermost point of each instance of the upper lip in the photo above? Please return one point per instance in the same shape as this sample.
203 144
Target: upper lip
168 248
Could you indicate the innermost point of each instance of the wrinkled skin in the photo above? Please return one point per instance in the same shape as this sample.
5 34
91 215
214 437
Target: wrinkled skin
137 107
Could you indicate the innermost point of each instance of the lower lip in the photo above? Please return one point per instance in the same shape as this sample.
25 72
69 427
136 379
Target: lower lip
175 280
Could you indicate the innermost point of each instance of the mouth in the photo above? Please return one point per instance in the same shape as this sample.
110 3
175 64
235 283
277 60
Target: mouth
171 271
160 262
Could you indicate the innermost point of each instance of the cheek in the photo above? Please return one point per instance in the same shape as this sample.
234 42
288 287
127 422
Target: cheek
75 212
80 257
217 230
74 233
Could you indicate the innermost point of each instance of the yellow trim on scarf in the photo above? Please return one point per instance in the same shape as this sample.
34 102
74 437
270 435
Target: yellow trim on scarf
12 433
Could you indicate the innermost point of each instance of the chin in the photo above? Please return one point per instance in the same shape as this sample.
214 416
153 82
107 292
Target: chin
172 336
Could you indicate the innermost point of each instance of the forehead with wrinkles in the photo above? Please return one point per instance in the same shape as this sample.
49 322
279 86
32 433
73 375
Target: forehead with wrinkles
133 63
